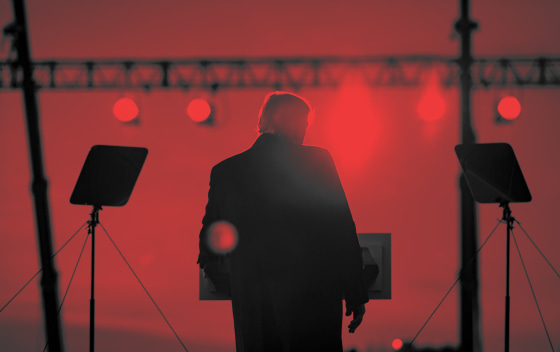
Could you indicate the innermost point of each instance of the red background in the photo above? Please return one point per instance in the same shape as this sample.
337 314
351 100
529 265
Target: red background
403 180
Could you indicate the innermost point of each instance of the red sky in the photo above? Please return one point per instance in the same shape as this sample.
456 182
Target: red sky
404 180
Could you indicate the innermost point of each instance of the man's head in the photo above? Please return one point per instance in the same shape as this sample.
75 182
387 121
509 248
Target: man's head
285 114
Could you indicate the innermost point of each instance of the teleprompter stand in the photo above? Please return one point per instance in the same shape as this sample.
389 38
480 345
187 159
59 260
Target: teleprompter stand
494 176
107 179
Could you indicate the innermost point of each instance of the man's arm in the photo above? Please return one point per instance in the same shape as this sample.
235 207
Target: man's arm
347 244
211 215
348 248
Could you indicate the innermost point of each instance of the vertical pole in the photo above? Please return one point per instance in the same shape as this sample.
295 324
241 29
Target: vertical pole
509 221
92 224
39 185
469 306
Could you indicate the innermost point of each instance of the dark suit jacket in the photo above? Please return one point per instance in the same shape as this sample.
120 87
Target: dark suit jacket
298 253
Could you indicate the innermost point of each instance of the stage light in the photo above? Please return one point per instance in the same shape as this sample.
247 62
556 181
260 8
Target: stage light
199 110
222 237
125 110
508 109
397 344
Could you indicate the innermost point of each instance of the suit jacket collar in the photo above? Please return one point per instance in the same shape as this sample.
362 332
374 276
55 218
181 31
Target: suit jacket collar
271 139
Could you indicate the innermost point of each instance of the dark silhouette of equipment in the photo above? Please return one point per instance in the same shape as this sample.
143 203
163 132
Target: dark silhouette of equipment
107 179
494 176
493 173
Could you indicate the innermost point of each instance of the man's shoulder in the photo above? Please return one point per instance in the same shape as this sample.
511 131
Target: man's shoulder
231 161
308 152
315 149
317 152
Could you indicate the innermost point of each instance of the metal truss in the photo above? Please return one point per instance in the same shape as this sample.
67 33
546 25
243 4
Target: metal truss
279 73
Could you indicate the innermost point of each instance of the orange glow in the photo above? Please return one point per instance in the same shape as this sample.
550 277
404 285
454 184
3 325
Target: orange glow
353 126
222 237
125 110
397 344
199 110
432 105
509 108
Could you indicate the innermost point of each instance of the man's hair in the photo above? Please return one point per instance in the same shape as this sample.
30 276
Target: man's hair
279 109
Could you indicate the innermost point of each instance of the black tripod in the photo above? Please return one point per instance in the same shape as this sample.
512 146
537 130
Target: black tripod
107 179
494 176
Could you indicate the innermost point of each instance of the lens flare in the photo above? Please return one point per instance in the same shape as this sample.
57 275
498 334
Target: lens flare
222 237
397 344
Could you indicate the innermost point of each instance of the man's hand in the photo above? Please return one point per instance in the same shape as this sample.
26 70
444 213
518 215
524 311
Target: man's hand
358 312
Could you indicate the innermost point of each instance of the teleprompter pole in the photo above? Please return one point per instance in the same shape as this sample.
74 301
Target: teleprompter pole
39 185
469 339
509 221
92 224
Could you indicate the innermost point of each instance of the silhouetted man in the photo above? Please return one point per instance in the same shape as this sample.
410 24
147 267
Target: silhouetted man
298 254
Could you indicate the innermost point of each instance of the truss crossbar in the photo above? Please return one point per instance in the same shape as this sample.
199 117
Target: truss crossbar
278 73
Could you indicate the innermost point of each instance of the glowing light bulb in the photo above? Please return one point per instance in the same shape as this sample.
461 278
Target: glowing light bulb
509 107
125 110
199 110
